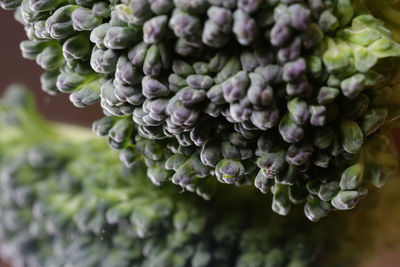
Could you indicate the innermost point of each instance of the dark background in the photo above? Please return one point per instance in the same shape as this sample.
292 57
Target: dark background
13 68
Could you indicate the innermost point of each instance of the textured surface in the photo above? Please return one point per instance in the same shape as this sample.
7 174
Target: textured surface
59 203
53 115
296 93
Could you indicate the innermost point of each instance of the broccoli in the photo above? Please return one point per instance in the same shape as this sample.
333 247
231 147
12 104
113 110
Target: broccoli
65 200
289 96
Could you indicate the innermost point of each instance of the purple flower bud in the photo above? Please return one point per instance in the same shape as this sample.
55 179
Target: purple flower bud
153 88
299 154
241 111
244 27
235 87
318 115
300 17
249 6
299 87
294 69
190 96
290 52
281 33
221 17
266 118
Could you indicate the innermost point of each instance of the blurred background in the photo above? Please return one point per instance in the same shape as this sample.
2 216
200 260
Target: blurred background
13 68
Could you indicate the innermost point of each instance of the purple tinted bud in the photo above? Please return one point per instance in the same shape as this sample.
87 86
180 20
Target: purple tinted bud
298 110
229 151
290 52
140 9
294 69
101 9
352 86
190 96
281 14
229 171
272 163
201 68
318 115
153 88
149 121
216 95
184 24
241 111
126 73
300 17
316 6
246 131
138 53
181 115
238 140
280 34
185 47
266 118
103 61
259 93
176 82
270 73
327 95
235 87
161 6
155 107
221 17
299 154
290 131
120 37
248 60
210 153
249 6
244 27
299 87
212 35
199 81
263 183
265 143
132 95
154 29
182 68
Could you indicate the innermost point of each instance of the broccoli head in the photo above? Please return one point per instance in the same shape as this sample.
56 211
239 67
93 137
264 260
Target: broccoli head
294 97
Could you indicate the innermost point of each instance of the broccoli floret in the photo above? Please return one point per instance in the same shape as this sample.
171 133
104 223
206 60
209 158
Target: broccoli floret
68 201
285 95
65 200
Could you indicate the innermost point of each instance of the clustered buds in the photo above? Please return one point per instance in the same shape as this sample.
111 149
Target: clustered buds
59 207
285 95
